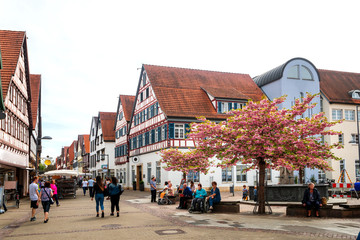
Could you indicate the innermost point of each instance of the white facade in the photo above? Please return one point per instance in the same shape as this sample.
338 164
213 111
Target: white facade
295 78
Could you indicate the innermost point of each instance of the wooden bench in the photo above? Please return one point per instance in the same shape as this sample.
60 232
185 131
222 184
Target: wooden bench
227 207
344 211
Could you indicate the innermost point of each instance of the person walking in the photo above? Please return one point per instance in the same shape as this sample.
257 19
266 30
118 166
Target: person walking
153 189
98 192
45 195
54 189
84 185
34 197
91 186
114 192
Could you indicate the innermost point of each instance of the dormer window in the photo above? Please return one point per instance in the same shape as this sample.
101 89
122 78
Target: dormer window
294 72
306 73
355 94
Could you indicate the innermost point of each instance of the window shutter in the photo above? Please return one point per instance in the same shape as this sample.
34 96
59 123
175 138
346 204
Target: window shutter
171 130
147 138
219 107
156 108
159 133
153 136
125 150
187 129
235 106
125 130
230 106
165 130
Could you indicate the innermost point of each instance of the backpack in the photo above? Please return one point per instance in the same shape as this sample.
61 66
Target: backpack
121 189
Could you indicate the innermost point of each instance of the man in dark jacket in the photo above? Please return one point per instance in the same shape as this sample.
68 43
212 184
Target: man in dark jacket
186 194
312 200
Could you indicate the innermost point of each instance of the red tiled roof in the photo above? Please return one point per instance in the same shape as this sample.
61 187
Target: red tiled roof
71 151
230 93
10 46
35 80
127 104
335 85
107 120
87 143
179 92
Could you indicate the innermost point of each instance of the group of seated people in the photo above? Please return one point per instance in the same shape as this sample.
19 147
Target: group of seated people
198 196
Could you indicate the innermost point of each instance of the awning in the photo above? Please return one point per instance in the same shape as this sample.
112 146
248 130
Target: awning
62 173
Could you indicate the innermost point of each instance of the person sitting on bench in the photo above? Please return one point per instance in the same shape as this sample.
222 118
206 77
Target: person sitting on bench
215 196
185 195
312 200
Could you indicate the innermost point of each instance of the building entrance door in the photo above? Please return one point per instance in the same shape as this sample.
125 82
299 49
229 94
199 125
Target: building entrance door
138 176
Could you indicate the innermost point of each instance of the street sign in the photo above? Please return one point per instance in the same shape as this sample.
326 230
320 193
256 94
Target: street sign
104 166
47 162
104 170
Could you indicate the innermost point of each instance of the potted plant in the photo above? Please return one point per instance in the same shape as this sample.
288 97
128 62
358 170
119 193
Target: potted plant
141 186
134 185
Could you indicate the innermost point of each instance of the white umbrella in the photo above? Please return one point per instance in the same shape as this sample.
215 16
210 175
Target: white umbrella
62 172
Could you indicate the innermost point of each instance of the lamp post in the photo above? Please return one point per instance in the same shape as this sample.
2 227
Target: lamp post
108 168
36 154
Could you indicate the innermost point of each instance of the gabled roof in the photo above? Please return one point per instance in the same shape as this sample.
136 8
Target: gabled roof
335 85
275 73
10 46
87 143
71 151
35 83
83 140
180 91
127 104
107 121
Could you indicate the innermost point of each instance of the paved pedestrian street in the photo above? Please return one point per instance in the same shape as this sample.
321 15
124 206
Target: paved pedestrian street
140 219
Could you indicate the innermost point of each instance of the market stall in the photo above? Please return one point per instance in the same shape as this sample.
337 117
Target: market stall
65 181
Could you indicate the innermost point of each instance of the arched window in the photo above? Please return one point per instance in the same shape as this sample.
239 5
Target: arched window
294 72
306 73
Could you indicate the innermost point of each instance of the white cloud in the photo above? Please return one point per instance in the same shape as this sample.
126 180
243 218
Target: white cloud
88 52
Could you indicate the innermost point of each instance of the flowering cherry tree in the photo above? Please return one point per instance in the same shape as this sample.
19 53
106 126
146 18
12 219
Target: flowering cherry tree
262 136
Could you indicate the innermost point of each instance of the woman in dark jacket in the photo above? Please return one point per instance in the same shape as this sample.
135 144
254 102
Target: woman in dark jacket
114 192
312 200
99 196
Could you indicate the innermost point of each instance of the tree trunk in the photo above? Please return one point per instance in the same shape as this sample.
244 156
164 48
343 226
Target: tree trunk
301 176
184 175
261 193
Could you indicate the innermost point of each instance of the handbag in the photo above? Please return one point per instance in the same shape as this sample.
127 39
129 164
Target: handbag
51 200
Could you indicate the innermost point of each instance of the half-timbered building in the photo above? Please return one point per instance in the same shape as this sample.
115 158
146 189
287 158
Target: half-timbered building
168 99
16 96
102 137
122 123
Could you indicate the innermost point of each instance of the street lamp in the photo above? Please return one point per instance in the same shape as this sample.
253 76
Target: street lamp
108 169
37 150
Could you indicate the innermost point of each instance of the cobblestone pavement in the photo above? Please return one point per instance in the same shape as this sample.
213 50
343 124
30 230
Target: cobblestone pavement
140 219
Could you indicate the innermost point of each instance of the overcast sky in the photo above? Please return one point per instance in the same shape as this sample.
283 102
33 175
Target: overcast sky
88 52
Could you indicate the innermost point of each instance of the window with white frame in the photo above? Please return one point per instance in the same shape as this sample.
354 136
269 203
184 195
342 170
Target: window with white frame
241 174
124 180
144 78
148 177
294 72
337 114
179 131
158 172
350 115
226 174
341 138
306 73
321 176
342 167
321 104
357 170
193 176
354 138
